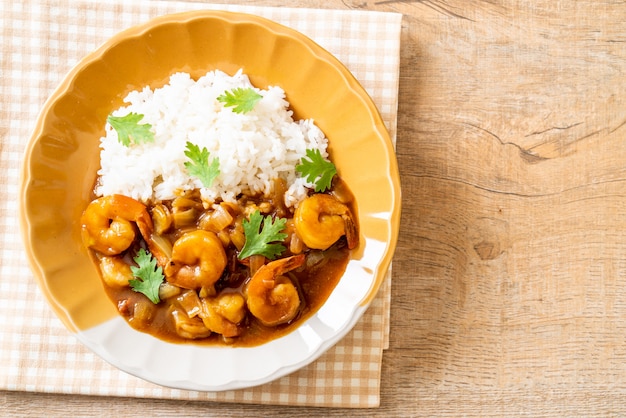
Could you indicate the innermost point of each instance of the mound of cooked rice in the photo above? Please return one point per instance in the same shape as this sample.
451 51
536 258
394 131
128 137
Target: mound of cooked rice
253 148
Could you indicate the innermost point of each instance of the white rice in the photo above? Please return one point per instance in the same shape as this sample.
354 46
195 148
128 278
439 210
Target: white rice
252 148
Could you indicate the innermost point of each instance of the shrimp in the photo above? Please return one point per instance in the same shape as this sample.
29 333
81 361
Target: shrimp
107 223
187 327
198 260
222 313
107 226
271 297
320 220
115 271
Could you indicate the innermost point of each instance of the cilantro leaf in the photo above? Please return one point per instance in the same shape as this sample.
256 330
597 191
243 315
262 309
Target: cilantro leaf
242 100
149 276
200 166
129 131
317 170
263 241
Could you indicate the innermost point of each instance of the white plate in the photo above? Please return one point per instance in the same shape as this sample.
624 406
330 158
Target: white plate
62 158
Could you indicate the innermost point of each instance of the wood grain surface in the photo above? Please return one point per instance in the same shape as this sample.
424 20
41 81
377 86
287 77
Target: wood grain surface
509 281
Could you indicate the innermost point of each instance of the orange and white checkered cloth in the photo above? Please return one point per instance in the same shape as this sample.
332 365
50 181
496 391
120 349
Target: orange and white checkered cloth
41 40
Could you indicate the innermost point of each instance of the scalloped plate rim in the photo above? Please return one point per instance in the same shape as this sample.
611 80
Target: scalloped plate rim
382 265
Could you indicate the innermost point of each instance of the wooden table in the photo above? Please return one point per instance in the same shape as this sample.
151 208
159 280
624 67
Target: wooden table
509 279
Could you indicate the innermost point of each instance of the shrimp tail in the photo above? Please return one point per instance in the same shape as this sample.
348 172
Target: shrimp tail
275 268
161 257
291 263
126 206
352 234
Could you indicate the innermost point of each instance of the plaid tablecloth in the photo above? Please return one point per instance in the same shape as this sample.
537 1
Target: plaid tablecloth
41 41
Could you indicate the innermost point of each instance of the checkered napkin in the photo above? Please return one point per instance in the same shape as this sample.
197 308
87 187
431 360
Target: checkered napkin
41 40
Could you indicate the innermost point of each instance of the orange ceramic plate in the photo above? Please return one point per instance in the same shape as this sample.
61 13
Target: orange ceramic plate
62 158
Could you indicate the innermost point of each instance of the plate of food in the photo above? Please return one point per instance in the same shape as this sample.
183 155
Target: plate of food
210 200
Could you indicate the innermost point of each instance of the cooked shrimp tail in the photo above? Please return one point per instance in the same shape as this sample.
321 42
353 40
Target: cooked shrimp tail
271 297
352 231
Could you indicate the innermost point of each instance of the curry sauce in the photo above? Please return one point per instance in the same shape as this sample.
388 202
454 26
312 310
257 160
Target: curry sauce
209 289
